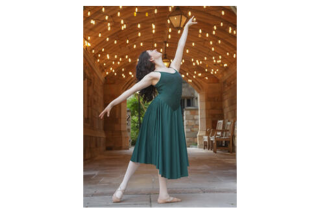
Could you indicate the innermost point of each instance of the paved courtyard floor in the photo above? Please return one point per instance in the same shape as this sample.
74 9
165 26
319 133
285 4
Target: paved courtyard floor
212 181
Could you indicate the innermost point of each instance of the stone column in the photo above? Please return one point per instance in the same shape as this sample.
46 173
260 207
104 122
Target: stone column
202 118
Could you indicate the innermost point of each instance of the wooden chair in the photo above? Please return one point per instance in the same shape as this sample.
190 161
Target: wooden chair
215 133
227 136
205 140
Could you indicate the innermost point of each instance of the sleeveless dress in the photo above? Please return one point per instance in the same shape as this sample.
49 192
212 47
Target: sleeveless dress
161 140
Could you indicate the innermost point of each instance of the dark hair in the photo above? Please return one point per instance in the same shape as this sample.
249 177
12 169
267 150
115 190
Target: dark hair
144 66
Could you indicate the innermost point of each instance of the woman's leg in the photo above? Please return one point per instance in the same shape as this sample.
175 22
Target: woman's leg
132 167
163 190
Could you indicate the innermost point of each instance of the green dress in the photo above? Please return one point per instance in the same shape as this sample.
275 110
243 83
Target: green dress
161 140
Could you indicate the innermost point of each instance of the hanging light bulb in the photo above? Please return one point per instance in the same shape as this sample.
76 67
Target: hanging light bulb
212 48
127 41
178 31
167 44
187 50
221 24
121 21
155 44
99 34
89 13
134 46
136 9
222 12
169 30
89 38
135 14
168 21
219 41
192 43
200 31
189 13
108 56
120 7
103 9
92 51
161 50
115 41
107 38
139 34
129 59
155 11
153 31
234 32
138 25
207 34
146 13
109 28
230 29
126 56
106 17
169 36
141 44
215 27
119 13
234 55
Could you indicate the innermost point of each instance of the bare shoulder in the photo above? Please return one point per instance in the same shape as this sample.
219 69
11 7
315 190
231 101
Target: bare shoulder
175 67
154 77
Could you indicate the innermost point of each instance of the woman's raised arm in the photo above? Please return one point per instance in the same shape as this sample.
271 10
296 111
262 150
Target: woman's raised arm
179 52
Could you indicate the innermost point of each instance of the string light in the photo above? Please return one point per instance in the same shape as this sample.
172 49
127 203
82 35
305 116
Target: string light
115 41
88 37
153 31
93 21
89 13
134 46
106 17
121 21
129 59
102 49
213 32
155 11
99 34
221 24
192 43
169 36
179 31
234 32
211 42
212 48
107 38
215 27
222 12
187 50
109 28
230 29
169 30
219 41
207 34
136 9
189 13
200 31
234 55
139 34
119 13
141 44
168 21
92 51
155 44
98 55
103 9
127 41
138 25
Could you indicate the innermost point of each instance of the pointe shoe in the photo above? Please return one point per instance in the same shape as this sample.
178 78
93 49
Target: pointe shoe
116 199
169 200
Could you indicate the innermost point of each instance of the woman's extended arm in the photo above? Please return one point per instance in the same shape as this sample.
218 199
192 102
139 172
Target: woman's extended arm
179 52
145 82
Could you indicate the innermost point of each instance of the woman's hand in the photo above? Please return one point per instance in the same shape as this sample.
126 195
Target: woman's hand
190 22
106 110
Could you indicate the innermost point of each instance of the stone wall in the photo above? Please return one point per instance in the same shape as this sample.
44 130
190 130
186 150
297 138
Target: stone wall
229 96
94 138
191 125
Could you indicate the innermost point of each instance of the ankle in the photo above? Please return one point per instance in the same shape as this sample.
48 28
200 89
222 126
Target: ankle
163 196
123 186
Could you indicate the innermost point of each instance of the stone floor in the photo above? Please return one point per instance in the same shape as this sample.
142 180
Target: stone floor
212 181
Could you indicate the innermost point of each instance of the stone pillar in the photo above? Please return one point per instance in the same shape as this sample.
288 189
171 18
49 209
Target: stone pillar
191 124
202 118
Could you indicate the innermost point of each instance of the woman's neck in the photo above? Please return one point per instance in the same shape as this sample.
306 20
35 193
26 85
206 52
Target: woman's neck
159 65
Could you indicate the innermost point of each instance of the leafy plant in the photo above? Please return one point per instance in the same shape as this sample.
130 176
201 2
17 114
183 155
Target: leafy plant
133 105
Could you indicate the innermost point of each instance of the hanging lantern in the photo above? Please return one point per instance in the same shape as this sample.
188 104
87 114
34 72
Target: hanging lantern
177 18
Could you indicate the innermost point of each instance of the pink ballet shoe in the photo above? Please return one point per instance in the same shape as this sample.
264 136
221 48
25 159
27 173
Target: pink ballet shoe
169 200
116 199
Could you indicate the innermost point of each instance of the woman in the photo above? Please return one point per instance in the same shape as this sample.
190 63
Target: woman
161 139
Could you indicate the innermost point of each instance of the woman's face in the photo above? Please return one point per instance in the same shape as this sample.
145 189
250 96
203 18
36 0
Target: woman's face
154 54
